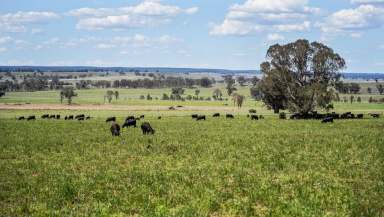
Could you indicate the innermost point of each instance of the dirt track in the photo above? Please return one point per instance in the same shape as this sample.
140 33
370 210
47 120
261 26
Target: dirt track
9 106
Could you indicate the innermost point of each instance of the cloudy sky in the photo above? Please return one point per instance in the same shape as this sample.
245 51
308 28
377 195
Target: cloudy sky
233 34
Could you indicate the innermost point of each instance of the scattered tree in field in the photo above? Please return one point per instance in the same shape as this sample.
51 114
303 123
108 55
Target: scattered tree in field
298 76
68 93
241 80
358 99
116 95
369 90
165 97
109 96
206 82
238 100
149 97
197 92
217 94
230 82
352 98
380 88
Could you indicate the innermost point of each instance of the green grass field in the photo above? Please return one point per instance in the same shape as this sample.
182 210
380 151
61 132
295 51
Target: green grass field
217 167
239 167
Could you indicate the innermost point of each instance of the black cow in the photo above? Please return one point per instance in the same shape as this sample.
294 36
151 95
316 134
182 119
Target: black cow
130 118
200 117
254 117
159 118
32 117
327 120
142 116
80 116
360 116
115 129
21 118
129 123
52 117
252 111
171 108
45 116
375 115
58 117
216 115
229 116
88 118
70 117
147 129
111 119
194 116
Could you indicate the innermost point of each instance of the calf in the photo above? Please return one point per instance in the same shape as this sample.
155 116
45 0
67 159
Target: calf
327 120
21 118
254 117
201 117
115 129
216 115
147 129
129 123
32 117
111 119
229 116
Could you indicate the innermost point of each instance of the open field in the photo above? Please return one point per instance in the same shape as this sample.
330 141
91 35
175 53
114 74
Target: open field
188 168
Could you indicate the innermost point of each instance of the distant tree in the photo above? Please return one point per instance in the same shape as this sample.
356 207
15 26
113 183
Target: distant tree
197 92
68 93
142 97
230 82
149 97
358 99
109 95
241 80
354 88
217 94
352 98
298 76
238 100
165 97
369 90
205 82
116 95
380 88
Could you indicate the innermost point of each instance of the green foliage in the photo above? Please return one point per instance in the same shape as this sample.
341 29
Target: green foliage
68 93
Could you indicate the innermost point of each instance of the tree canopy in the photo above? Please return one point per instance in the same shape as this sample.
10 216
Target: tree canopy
298 76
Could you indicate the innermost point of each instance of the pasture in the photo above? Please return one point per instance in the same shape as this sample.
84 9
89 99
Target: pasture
216 167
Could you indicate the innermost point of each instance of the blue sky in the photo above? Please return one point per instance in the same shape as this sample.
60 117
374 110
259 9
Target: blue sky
233 34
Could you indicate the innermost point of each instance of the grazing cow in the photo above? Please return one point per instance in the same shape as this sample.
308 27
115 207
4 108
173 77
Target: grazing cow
32 117
80 116
147 129
52 117
21 118
360 116
129 123
159 118
45 116
130 118
375 115
194 116
261 117
327 120
229 116
111 119
201 117
115 129
66 118
254 117
58 117
142 116
70 117
216 115
252 111
88 118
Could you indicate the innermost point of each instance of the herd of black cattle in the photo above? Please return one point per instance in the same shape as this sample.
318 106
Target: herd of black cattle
146 128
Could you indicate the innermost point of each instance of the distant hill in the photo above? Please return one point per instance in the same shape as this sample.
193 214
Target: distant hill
352 76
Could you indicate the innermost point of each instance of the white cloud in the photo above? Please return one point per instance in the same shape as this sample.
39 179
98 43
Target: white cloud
266 15
3 49
353 20
367 1
147 13
16 22
275 37
105 46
